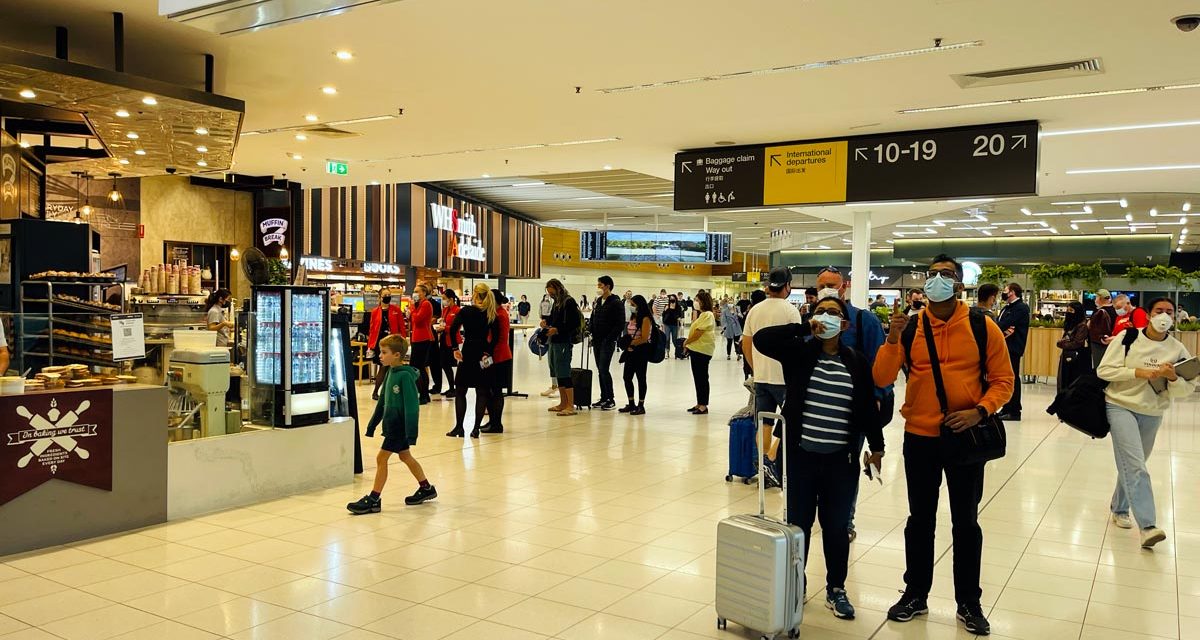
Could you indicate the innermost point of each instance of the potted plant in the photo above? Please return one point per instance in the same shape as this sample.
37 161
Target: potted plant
995 274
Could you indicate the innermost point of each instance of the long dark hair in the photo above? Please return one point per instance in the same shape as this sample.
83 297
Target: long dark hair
641 308
215 297
561 295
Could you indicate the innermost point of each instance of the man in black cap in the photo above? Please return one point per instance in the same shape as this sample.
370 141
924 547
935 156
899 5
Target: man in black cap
769 386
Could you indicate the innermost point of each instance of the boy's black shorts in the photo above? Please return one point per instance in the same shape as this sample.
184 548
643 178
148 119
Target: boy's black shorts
395 444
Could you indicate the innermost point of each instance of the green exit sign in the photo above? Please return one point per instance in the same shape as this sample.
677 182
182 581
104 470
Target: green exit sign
337 168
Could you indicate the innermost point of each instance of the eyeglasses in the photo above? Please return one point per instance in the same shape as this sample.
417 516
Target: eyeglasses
949 274
827 312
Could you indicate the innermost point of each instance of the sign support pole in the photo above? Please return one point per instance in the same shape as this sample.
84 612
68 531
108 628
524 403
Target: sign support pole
860 259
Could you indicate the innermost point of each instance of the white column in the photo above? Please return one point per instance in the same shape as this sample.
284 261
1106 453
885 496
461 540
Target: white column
860 259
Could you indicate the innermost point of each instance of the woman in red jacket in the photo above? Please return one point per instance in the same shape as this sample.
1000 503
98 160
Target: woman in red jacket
422 340
449 340
380 327
499 375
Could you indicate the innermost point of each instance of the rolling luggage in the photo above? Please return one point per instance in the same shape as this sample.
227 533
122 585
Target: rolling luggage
743 449
760 568
679 353
581 380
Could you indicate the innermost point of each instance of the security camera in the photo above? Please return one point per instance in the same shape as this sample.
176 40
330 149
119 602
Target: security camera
1187 23
171 170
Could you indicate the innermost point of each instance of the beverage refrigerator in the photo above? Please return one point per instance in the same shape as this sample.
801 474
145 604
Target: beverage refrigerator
290 349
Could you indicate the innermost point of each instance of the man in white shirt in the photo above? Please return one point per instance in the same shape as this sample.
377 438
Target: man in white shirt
769 385
659 305
3 351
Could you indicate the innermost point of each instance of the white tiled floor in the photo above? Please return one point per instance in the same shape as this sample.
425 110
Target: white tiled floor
603 526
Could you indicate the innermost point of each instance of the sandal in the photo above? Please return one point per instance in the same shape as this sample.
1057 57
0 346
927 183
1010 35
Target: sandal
555 409
567 412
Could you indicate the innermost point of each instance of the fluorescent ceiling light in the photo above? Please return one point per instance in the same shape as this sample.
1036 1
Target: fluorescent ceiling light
1100 220
1064 213
329 90
1020 230
808 66
140 152
966 200
1018 224
1074 226
1087 209
921 226
1026 211
622 217
971 228
121 113
1167 167
877 204
811 221
201 131
28 94
529 184
1065 96
202 149
1128 127
573 210
1079 202
1053 230
131 135
150 101
1124 203
592 198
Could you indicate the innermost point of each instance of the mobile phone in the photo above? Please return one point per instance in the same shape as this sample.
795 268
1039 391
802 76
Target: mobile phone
485 362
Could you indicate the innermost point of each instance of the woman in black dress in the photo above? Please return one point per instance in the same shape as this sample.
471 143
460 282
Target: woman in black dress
480 333
1076 358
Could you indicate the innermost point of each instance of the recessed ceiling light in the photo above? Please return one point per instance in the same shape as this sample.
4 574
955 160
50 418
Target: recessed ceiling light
24 144
149 100
374 182
1187 206
296 156
201 163
140 152
608 167
301 137
123 161
202 149
201 131
486 175
1129 217
329 91
342 54
1087 209
1153 213
1124 203
131 135
312 117
121 113
27 94
1074 226
1026 211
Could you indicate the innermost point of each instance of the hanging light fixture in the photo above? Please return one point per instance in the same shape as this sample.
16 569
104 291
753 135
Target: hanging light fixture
234 254
283 254
114 195
86 209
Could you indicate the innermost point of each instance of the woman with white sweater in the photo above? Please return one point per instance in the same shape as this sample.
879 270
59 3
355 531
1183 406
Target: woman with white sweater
1135 410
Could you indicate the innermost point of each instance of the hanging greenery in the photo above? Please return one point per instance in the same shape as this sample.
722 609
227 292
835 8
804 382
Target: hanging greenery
1160 273
1042 276
1091 275
995 274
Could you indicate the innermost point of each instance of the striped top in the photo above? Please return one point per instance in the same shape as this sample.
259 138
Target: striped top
827 407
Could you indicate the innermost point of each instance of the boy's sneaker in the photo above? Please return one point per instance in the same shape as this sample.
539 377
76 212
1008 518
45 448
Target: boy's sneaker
422 495
908 608
971 615
837 602
365 505
1122 520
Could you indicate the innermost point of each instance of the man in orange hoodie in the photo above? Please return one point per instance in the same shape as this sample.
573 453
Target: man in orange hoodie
924 462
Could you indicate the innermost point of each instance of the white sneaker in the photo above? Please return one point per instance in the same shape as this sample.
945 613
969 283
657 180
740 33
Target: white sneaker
1152 536
1122 520
549 392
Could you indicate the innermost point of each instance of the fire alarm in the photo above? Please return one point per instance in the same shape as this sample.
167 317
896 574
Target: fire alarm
141 231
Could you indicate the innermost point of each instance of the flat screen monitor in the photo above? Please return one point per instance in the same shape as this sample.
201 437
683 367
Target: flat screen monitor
656 246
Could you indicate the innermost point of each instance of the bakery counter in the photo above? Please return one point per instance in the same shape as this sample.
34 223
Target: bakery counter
80 463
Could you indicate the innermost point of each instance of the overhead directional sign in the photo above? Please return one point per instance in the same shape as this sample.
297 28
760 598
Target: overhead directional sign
960 162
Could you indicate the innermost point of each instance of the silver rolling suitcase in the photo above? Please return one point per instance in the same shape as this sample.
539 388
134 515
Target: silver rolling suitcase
760 567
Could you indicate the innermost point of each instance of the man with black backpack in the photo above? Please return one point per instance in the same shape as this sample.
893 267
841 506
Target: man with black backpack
959 376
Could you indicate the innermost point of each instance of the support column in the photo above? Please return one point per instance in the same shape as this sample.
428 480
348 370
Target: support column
860 259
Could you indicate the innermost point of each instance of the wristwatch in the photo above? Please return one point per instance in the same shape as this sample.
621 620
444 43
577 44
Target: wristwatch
983 413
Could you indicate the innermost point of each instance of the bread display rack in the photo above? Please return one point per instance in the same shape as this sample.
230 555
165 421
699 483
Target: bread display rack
60 327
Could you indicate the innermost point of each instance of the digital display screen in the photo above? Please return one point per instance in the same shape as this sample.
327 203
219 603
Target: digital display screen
656 246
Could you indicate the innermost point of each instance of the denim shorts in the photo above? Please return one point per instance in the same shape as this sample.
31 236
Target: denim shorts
560 359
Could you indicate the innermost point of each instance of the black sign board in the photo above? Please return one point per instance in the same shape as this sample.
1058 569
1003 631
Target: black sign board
983 160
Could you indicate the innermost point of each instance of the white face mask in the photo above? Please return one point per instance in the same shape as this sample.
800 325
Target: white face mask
1162 322
1122 311
828 292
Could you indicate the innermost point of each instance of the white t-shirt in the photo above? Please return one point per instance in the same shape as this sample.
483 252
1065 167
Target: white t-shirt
772 312
217 316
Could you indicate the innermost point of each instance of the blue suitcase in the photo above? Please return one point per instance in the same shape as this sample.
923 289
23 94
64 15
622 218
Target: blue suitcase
743 449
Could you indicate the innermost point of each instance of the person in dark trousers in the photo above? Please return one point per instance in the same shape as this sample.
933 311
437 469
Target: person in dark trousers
562 327
672 318
925 458
480 333
448 341
400 414
1076 358
1014 322
523 309
435 351
607 324
422 339
499 375
831 406
1100 326
701 343
635 353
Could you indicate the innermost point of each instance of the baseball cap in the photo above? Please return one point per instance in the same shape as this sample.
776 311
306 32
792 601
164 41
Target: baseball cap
1103 293
780 278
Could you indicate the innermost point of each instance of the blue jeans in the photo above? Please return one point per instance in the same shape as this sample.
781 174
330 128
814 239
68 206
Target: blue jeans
1133 440
672 334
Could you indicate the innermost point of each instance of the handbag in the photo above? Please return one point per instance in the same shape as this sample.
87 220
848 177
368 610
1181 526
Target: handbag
981 443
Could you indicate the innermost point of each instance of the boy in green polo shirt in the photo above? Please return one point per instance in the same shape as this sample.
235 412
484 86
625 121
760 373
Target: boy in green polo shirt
399 411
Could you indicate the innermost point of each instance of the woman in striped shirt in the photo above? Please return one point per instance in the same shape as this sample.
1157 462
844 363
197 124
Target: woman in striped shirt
830 402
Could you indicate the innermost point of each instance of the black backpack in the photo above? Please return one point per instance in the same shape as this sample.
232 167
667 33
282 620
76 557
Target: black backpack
1081 406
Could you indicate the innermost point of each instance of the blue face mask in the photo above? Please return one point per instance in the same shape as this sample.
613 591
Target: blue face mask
939 289
832 324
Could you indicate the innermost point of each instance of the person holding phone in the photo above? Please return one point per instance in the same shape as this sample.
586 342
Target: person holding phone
830 405
480 335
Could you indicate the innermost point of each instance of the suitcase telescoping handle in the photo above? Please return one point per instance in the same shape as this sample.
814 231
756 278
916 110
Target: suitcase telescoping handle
762 489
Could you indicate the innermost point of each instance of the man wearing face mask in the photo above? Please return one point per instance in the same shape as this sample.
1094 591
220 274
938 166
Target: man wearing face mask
1127 316
970 397
607 324
863 333
1014 322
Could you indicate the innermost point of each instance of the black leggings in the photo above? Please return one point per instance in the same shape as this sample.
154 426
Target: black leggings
700 376
728 346
483 396
421 358
635 365
448 364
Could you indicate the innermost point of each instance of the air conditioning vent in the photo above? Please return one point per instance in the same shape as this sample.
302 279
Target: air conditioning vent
239 16
330 132
1054 71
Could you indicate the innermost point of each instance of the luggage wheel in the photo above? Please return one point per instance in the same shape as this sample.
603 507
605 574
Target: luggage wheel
722 623
728 478
794 633
748 480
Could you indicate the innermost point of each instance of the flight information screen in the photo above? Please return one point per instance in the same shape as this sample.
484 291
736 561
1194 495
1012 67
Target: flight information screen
655 246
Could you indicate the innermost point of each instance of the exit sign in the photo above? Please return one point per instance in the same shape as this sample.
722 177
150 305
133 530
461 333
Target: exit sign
337 168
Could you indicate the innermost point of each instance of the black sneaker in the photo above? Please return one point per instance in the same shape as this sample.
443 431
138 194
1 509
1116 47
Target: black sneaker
422 495
491 428
599 404
608 405
771 480
908 608
640 410
971 615
852 533
424 400
365 505
629 408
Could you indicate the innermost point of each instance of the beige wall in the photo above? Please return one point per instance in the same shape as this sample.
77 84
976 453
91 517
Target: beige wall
173 209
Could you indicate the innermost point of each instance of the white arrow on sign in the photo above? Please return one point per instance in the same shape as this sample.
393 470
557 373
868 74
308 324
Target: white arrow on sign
860 153
1020 141
687 166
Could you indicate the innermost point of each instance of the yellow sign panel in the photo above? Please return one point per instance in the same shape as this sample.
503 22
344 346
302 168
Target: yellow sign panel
805 173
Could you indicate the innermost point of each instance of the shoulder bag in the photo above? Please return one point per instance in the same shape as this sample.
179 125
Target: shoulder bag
986 440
